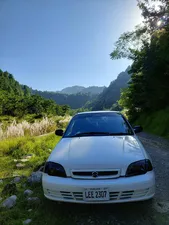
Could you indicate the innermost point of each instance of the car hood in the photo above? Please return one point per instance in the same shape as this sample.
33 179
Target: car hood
98 152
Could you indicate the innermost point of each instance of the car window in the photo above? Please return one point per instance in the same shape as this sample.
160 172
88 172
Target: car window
98 124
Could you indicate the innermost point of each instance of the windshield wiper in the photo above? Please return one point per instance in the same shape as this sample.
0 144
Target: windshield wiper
119 133
98 134
90 134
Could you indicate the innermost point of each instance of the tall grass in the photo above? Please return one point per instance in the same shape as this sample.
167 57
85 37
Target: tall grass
63 122
36 128
24 128
1 131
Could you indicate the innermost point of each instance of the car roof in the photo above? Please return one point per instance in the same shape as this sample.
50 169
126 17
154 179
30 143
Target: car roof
93 112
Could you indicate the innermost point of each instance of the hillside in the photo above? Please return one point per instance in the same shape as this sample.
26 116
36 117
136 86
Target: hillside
9 84
75 101
72 90
17 100
111 94
75 96
80 89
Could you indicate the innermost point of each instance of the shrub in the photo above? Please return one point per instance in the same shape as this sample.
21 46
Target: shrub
62 123
156 122
14 130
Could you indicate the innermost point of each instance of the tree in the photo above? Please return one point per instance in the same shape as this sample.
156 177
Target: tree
148 89
154 18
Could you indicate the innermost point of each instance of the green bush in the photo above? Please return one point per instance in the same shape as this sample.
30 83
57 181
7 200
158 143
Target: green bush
156 122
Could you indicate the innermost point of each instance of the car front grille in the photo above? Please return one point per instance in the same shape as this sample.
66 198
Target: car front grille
72 195
95 174
78 196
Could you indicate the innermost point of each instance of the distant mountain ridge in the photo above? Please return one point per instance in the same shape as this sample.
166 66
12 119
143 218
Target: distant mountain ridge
75 96
92 98
75 101
80 89
111 94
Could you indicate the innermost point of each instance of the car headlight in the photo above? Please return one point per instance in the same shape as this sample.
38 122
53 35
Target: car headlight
54 169
139 167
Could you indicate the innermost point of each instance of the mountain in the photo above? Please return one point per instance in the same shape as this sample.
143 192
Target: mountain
75 96
72 90
93 90
75 101
111 94
80 89
95 98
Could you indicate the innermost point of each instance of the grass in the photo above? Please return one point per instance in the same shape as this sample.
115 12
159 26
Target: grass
16 148
156 122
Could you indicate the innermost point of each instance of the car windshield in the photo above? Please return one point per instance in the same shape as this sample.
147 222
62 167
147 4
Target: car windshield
98 124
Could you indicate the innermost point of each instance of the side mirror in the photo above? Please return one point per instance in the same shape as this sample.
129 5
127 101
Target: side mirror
59 132
137 129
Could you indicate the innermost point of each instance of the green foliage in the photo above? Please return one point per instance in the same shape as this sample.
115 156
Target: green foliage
16 100
148 89
116 107
9 84
129 43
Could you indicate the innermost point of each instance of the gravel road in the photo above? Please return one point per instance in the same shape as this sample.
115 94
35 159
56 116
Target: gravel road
158 148
152 212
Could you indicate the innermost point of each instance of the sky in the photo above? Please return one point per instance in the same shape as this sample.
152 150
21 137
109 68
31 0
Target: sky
53 44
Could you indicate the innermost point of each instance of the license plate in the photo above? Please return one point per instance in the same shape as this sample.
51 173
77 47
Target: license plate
96 194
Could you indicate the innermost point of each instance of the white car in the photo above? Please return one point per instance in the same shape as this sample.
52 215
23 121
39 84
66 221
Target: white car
99 160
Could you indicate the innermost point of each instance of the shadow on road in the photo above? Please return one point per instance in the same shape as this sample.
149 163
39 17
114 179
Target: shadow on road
128 213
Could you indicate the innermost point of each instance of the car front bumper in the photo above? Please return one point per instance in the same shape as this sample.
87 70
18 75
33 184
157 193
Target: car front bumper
123 189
